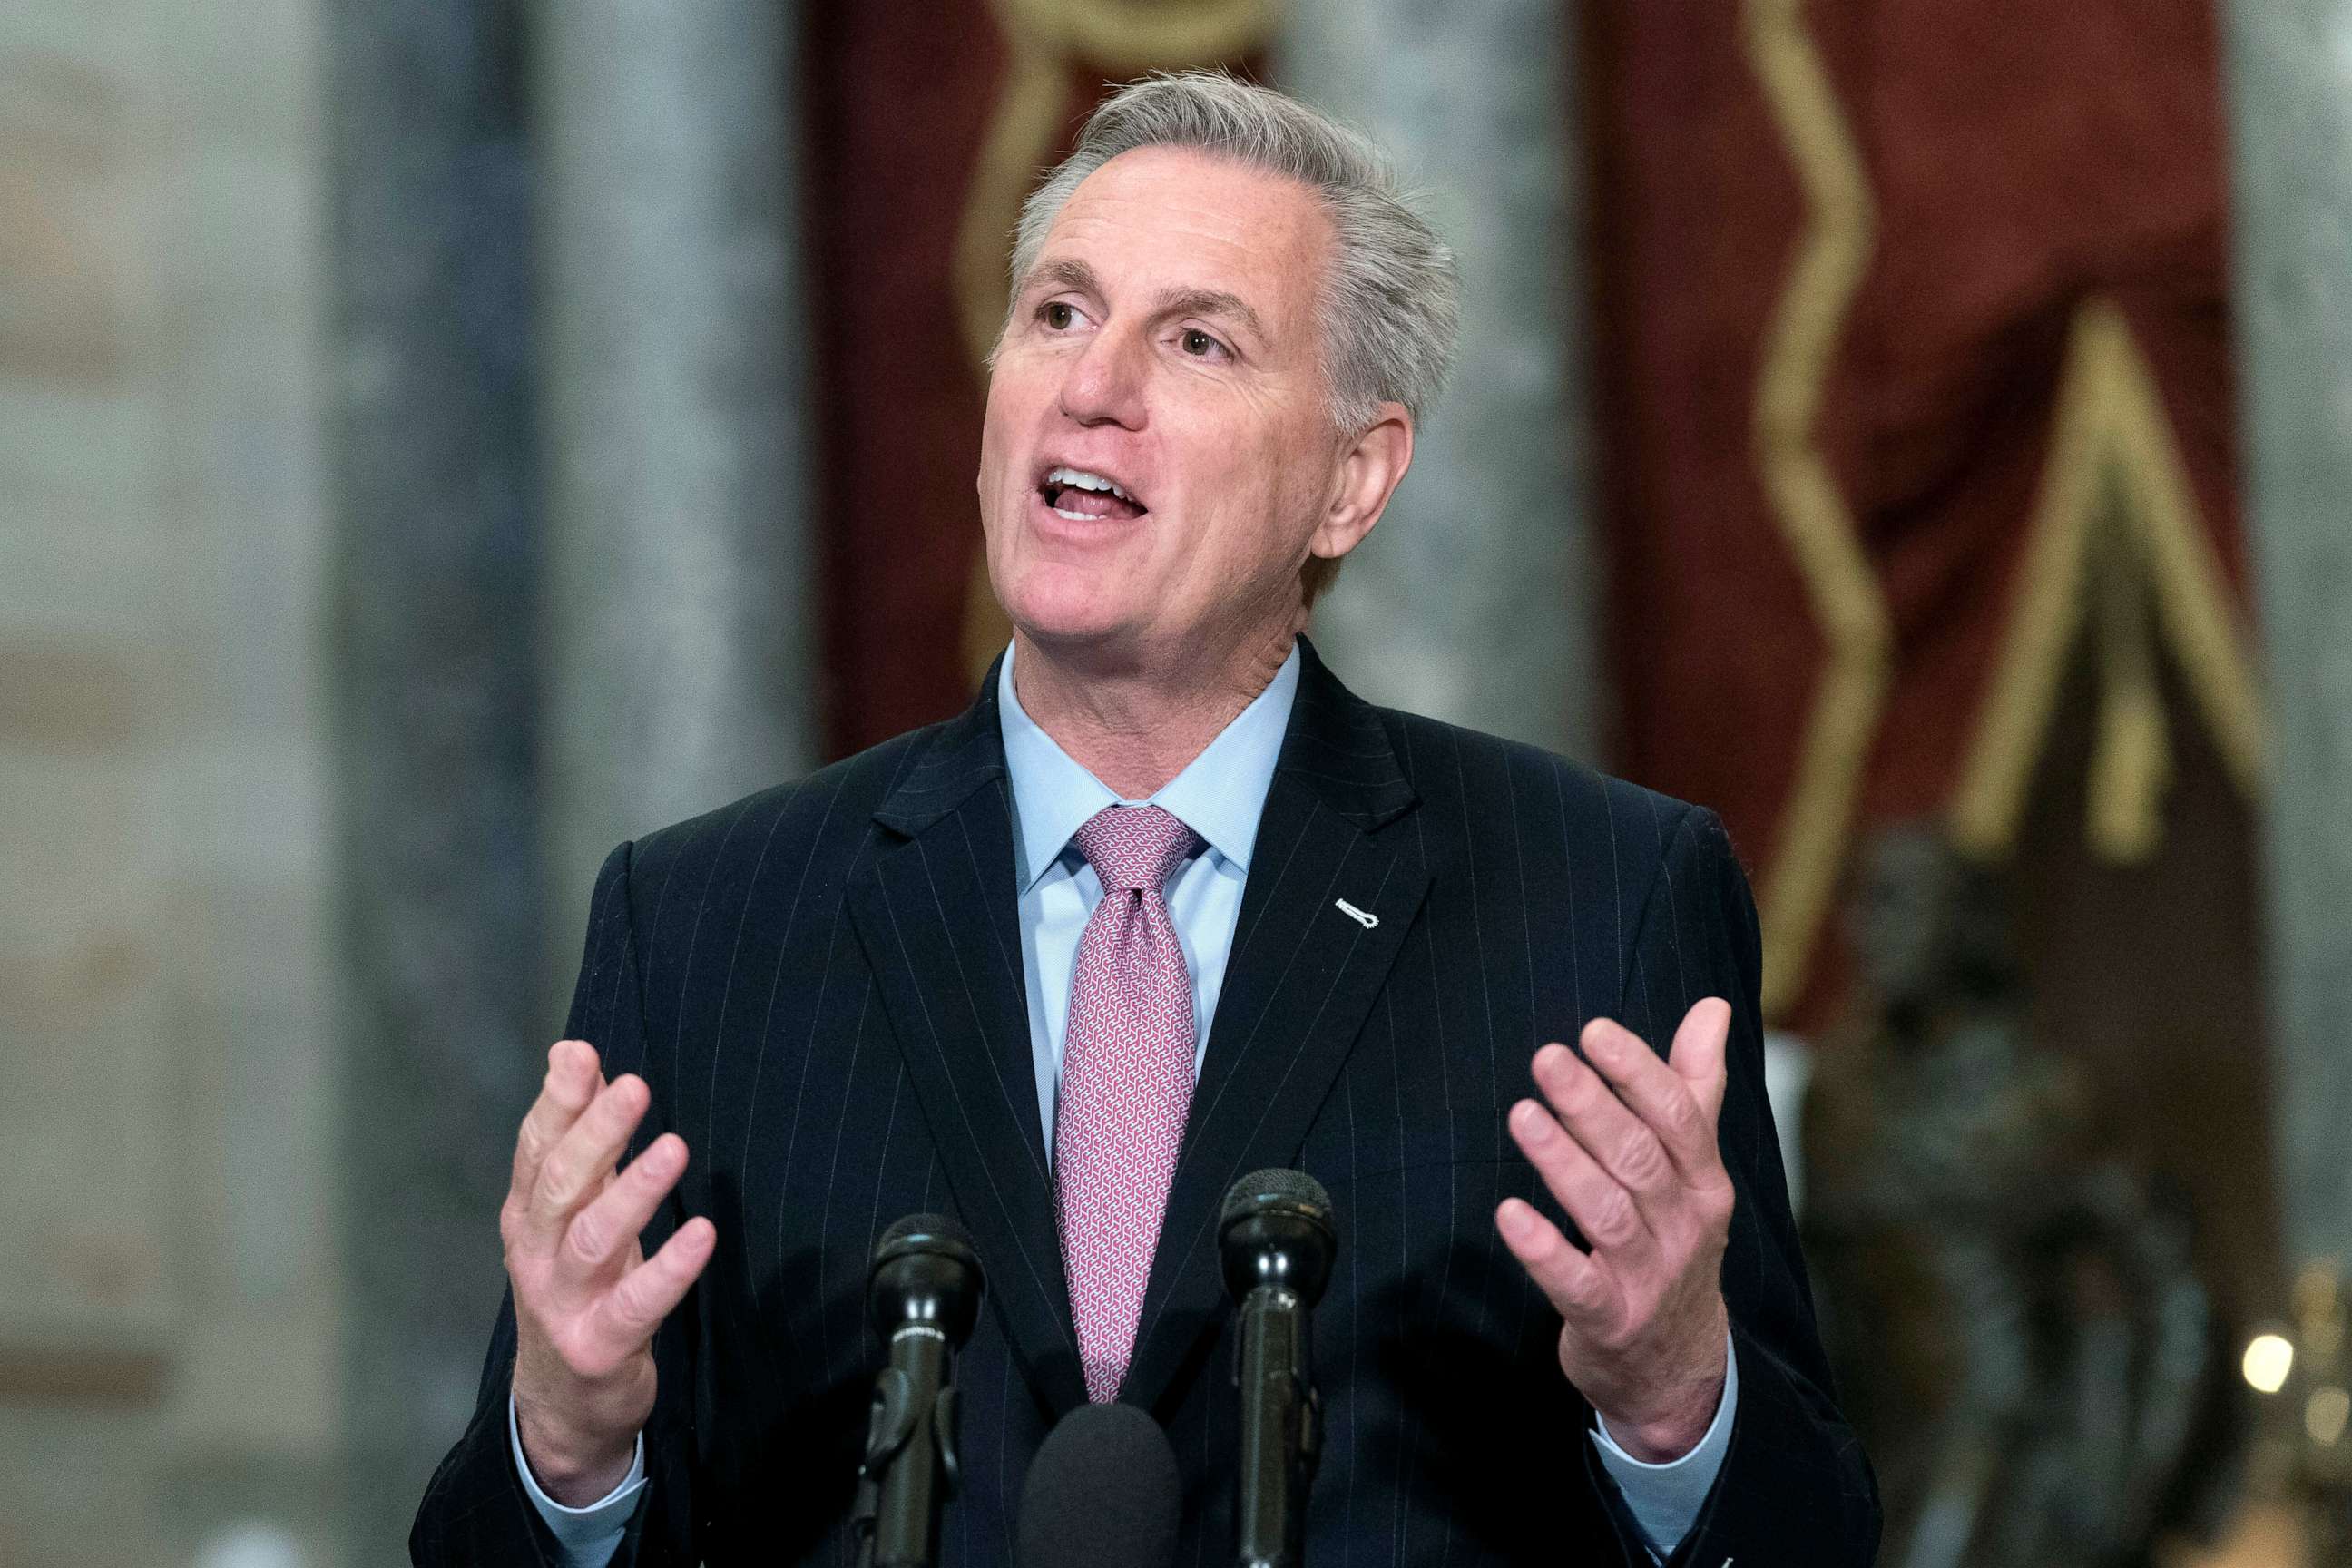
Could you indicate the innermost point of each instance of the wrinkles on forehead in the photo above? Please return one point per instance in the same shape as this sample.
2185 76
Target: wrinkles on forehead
1209 235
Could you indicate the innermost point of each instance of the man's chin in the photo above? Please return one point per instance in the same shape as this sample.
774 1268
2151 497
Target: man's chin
1072 636
1064 609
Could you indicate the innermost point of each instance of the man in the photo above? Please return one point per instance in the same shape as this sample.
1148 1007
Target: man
1166 905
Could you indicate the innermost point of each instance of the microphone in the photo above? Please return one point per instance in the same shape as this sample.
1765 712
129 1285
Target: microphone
1103 1490
1278 1240
923 1291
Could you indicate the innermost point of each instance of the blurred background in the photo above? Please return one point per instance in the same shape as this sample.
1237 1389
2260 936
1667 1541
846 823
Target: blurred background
440 439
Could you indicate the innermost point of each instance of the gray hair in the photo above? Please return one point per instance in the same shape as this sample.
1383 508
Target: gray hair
1389 306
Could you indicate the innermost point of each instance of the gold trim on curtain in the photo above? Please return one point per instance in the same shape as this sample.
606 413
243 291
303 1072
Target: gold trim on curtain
1849 610
2116 529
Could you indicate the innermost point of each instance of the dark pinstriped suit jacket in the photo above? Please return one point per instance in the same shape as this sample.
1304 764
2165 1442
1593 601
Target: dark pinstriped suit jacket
822 984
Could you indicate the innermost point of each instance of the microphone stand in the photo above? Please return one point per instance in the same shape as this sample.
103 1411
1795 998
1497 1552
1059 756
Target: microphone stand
924 1290
1276 1240
1282 1443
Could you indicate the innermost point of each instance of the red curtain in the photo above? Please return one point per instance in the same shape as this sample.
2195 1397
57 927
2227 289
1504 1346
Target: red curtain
1884 236
898 99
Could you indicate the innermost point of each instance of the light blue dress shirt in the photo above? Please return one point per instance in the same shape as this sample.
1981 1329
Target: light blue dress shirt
1220 795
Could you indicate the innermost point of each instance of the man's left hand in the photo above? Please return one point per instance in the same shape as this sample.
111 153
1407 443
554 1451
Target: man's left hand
1630 1151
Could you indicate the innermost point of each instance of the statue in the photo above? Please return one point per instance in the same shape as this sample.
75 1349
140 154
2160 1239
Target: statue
1979 1258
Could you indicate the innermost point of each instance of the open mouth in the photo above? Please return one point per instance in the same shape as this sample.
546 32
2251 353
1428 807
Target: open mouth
1083 497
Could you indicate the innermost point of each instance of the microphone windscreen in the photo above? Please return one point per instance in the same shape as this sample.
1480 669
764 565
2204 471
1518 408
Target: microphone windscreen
1104 1489
1277 1189
924 1231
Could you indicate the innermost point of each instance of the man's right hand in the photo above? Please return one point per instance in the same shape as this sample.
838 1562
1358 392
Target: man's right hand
586 1297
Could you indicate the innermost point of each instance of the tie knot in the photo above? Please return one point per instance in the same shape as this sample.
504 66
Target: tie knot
1133 848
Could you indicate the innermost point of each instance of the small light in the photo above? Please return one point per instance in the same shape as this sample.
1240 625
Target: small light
2269 1358
252 1543
2325 1416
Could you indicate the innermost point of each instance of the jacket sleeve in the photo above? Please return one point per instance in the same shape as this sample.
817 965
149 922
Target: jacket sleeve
1795 1487
475 1512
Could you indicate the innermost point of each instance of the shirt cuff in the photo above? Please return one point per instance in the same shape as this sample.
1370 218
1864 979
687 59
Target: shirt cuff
1665 1498
590 1535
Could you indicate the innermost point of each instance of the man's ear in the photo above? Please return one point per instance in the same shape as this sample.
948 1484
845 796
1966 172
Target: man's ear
1370 468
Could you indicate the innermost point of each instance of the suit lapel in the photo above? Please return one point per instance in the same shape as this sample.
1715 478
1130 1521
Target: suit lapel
1302 974
937 914
938 917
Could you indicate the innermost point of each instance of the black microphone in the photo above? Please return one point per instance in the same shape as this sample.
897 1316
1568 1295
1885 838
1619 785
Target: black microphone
923 1289
1278 1240
1102 1491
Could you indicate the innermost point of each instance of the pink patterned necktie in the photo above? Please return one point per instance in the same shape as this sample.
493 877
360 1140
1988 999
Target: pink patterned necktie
1127 1082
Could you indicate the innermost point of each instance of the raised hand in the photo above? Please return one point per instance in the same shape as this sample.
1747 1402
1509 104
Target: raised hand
1630 1151
586 1297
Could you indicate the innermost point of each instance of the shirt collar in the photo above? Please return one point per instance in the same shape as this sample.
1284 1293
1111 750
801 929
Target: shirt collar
1220 795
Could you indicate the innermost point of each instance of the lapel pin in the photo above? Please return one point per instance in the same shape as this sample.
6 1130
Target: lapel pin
1363 918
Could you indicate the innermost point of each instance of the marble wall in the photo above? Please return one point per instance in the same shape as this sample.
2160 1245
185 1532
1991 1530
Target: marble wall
1477 587
435 616
2290 67
570 591
681 571
168 1064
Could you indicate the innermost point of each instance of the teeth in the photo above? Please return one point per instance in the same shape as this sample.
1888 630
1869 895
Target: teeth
1084 481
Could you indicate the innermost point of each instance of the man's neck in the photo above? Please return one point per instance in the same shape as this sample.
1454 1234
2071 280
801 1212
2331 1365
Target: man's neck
1136 727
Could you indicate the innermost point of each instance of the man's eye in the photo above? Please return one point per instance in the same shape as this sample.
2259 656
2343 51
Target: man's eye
1200 343
1058 314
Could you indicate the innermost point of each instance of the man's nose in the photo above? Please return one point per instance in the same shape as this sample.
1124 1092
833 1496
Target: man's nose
1105 384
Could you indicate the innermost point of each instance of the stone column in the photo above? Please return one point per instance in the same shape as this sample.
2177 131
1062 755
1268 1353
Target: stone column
435 507
2290 68
1472 601
679 548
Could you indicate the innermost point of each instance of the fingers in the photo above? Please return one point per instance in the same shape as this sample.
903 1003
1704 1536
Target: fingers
586 1302
626 1315
1697 1055
1666 1102
1604 1210
572 1080
1622 1143
1580 1291
577 1169
601 1233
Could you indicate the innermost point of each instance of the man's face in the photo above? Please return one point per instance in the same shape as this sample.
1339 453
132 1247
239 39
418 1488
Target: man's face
1166 341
